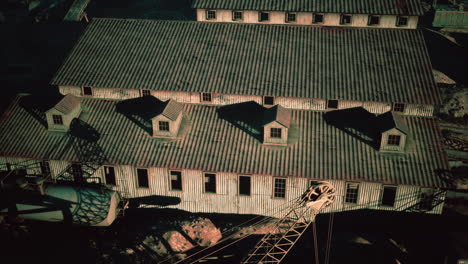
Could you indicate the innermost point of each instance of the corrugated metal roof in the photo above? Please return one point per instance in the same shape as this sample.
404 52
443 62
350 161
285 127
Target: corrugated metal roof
384 7
172 109
389 120
450 19
385 65
76 10
317 150
67 104
279 114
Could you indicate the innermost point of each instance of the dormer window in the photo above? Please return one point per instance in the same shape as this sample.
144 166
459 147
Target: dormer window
318 18
394 132
58 120
88 91
402 21
394 140
210 15
398 107
290 17
373 20
268 100
236 15
276 123
332 104
275 132
206 97
163 126
345 19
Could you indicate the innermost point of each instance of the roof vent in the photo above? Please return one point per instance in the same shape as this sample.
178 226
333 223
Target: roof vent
276 123
393 131
60 116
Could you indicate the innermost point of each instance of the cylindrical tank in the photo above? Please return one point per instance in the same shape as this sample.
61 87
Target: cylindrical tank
70 204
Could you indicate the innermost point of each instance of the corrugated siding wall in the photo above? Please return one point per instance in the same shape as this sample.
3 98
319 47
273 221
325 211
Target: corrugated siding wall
226 99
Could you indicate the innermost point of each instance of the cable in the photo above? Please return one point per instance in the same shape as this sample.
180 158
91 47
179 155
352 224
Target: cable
314 230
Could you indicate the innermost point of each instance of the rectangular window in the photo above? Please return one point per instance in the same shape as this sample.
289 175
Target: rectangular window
332 104
345 19
352 192
394 140
388 195
236 15
57 119
87 90
206 97
279 188
398 107
163 126
275 132
45 168
210 14
268 100
373 20
263 16
318 19
143 181
210 182
290 17
176 180
109 175
402 21
244 185
145 93
77 172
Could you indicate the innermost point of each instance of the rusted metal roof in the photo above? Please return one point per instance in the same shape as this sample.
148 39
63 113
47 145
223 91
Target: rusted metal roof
383 7
389 120
279 114
384 65
316 149
68 103
172 109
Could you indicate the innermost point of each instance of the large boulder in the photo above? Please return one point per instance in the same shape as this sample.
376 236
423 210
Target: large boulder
177 241
202 231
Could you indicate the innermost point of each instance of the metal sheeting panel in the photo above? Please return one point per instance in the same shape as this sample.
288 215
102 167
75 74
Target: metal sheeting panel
385 65
450 19
388 7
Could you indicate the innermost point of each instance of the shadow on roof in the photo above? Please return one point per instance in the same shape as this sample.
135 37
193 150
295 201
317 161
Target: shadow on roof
247 116
140 110
357 122
37 105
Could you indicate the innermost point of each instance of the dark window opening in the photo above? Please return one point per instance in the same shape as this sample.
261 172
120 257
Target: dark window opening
210 14
264 16
279 188
318 19
275 132
290 17
109 175
398 107
57 119
236 15
206 97
345 20
394 140
244 185
402 21
268 100
389 195
77 172
143 180
163 126
373 20
145 92
45 168
87 90
352 192
176 180
332 104
210 182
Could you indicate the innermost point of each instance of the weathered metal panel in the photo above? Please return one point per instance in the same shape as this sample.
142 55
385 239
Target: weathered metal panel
450 19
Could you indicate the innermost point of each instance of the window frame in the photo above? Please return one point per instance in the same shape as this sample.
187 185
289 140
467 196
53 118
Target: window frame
234 12
106 174
162 126
239 185
394 140
369 20
203 97
138 178
399 19
287 18
171 185
145 92
395 187
84 90
260 13
205 183
342 19
351 196
267 98
277 133
332 102
77 171
45 168
314 21
208 16
274 188
57 120
398 107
